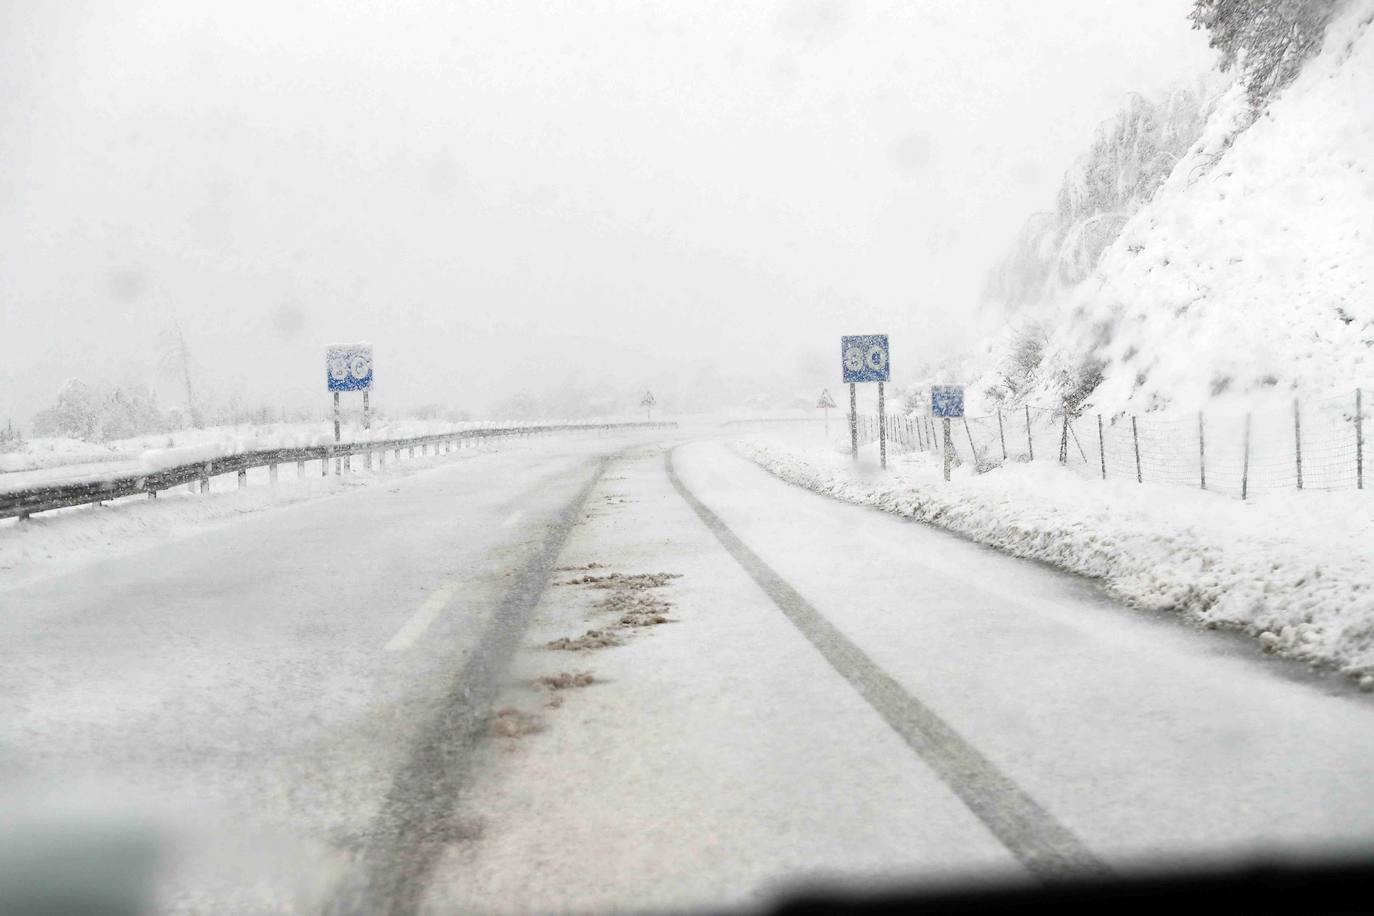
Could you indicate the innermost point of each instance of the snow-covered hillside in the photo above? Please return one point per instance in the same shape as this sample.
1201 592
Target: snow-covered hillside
1249 272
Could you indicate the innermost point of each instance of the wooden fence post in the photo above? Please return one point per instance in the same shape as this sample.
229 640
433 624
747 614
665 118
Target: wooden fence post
972 450
1297 439
1030 443
1135 438
1359 441
1201 451
1064 440
1101 447
1245 468
1001 434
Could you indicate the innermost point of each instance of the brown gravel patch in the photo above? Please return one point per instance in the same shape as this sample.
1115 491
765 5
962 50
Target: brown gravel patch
509 722
592 639
633 582
564 680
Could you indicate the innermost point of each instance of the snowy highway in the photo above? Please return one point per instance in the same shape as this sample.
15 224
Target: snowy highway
354 703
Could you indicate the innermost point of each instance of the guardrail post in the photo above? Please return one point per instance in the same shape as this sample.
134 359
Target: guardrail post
272 473
243 478
205 479
300 469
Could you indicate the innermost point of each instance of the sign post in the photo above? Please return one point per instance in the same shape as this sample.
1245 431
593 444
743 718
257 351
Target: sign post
853 425
367 424
338 463
882 427
349 368
864 358
647 402
825 403
947 401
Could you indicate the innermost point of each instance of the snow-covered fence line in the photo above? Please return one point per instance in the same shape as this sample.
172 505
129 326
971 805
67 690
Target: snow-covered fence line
156 476
1318 444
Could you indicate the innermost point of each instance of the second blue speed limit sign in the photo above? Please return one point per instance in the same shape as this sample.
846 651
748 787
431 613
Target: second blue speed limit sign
863 358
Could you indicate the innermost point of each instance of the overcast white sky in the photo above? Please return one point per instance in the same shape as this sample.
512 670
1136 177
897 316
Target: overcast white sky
498 194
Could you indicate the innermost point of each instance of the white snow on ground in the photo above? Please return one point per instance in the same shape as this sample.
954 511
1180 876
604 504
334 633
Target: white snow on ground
1294 569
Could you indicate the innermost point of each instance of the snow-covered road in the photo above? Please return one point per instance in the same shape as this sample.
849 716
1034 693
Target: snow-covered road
299 700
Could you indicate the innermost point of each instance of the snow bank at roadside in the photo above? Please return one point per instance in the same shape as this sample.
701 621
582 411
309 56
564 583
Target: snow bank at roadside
1294 570
215 441
52 461
51 542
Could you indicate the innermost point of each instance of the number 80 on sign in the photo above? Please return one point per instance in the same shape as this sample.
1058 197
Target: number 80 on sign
863 358
349 367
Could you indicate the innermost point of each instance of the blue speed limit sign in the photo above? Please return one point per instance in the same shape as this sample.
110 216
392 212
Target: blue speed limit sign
349 367
863 358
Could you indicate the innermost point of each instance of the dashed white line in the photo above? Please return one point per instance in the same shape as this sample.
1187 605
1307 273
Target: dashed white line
419 622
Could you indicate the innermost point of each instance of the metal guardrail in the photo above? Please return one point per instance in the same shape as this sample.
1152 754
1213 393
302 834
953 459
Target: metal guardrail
23 503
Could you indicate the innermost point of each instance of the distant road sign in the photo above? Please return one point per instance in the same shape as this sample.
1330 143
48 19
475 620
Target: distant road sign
863 358
947 400
826 400
648 399
349 367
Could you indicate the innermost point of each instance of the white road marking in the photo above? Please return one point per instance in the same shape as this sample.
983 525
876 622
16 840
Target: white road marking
416 626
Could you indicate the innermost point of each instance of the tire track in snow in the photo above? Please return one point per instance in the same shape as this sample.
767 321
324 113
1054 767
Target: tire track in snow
1046 847
415 821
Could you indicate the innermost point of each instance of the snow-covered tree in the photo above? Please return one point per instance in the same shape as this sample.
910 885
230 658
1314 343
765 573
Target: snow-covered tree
83 413
1129 158
1268 40
75 415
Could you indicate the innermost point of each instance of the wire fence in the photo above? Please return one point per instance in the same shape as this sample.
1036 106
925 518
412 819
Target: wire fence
1313 445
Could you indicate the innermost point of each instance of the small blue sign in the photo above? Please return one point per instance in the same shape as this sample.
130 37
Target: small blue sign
947 400
348 367
863 358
